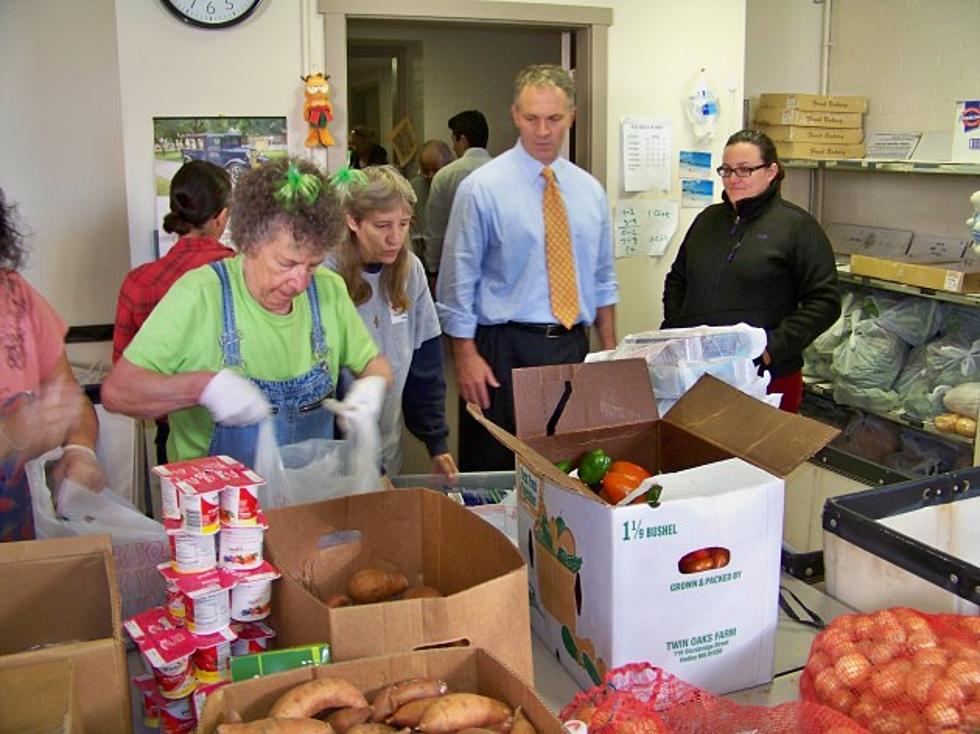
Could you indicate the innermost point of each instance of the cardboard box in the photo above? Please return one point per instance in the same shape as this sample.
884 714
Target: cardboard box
435 542
966 132
60 602
606 583
956 277
39 698
815 102
465 670
938 248
779 116
796 134
821 151
850 239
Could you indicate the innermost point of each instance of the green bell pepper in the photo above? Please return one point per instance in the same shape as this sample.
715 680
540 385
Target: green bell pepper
594 466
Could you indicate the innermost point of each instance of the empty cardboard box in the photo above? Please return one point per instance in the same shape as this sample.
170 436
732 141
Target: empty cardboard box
60 602
614 585
39 698
434 541
464 670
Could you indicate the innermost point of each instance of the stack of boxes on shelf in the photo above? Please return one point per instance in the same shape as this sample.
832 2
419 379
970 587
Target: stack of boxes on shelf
219 588
814 126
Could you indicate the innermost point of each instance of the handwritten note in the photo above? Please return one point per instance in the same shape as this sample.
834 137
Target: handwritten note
646 153
644 227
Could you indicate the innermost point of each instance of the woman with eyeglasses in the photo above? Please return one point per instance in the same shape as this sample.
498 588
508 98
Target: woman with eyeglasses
757 259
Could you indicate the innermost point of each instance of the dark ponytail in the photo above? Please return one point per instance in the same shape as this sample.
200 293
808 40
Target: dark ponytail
767 148
198 192
12 252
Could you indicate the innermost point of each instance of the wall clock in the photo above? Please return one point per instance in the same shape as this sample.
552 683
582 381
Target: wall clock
212 13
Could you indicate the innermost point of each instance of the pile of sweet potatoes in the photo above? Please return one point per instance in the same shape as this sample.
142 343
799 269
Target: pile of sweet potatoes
372 585
334 706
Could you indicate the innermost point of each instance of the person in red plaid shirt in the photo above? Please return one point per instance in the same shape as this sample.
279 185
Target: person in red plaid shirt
199 197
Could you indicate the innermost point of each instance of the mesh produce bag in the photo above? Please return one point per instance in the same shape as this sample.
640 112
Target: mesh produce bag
642 699
899 671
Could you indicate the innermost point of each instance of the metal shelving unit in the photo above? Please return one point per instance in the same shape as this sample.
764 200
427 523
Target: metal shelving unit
944 168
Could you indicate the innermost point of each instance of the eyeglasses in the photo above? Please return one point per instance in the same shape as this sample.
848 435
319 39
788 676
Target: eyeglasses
740 171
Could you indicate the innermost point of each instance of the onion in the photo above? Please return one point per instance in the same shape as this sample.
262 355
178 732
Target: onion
853 669
826 683
888 684
919 682
941 714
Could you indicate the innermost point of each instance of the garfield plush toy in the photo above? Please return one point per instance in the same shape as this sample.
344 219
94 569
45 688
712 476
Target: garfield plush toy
317 110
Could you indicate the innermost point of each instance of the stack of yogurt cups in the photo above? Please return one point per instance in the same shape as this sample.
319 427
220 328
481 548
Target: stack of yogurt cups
219 587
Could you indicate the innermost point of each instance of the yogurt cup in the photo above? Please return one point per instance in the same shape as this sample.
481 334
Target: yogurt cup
212 656
170 474
199 512
150 699
251 598
168 656
207 612
240 505
191 553
252 637
177 717
240 548
175 603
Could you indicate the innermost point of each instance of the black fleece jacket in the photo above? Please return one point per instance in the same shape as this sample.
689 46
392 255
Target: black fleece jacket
765 262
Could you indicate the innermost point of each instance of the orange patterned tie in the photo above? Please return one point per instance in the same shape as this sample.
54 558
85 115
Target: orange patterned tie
562 283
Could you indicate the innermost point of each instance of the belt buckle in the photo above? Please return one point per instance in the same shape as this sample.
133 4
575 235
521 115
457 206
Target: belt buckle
552 331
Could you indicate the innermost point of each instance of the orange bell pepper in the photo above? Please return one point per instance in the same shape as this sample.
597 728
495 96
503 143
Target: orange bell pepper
621 479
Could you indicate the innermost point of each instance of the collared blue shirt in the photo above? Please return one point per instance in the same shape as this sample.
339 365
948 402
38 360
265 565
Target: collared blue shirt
493 265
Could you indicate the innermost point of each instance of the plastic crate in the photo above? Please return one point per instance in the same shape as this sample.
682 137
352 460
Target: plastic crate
472 488
909 544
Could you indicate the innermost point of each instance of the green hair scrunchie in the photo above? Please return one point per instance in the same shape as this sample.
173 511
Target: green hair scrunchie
298 185
347 178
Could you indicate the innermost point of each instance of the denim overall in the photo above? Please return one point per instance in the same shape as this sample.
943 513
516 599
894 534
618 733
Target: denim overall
297 412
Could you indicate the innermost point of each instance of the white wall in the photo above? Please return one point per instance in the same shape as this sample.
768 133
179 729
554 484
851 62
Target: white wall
782 46
61 156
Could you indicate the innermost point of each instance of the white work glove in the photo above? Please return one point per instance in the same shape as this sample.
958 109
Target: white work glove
233 400
364 399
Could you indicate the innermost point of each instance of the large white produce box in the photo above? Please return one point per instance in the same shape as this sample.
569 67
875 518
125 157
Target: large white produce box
606 583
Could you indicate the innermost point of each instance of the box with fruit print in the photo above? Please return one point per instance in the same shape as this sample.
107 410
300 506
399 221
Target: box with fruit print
683 570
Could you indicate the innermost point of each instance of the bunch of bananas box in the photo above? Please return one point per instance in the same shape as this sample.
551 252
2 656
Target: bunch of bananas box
813 126
689 584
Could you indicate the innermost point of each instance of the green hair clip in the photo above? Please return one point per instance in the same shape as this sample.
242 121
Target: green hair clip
347 178
298 185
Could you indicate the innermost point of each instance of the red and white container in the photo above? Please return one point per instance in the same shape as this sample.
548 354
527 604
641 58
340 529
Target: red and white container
240 498
168 655
150 699
252 637
239 548
177 717
212 656
192 553
148 623
251 597
207 612
175 603
173 472
199 511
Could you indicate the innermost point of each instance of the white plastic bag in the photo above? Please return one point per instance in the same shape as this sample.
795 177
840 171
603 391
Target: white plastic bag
138 542
964 399
318 469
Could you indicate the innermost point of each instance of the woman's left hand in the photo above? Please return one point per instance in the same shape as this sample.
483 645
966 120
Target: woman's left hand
445 466
81 467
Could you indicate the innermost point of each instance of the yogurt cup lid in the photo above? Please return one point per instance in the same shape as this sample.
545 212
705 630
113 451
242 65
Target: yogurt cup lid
167 647
149 622
253 630
263 572
199 584
180 469
225 634
217 478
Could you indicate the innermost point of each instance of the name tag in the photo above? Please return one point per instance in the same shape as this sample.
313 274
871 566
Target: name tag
398 317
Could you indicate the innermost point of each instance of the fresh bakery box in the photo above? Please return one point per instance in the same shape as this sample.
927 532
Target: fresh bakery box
60 602
820 151
795 134
422 533
814 102
689 584
956 277
465 670
39 697
779 116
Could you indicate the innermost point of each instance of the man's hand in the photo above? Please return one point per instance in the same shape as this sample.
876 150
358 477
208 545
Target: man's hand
473 375
444 467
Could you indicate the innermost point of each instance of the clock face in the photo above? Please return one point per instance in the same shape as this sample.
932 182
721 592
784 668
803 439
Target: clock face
212 13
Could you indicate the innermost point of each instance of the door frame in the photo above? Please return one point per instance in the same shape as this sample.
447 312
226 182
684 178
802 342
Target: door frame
590 24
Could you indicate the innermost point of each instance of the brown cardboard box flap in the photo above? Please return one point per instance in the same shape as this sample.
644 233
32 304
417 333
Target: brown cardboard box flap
599 394
529 456
770 438
39 697
464 669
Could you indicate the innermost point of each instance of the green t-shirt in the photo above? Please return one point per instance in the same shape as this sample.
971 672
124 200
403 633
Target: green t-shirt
182 332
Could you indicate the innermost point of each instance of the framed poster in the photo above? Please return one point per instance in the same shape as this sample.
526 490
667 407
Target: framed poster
237 144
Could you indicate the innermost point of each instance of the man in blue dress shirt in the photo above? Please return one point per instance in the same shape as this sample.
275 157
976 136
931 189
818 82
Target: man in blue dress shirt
493 295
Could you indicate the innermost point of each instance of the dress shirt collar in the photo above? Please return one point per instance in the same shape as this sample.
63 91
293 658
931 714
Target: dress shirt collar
532 167
474 152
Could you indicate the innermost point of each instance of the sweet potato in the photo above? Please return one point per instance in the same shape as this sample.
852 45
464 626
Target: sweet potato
308 698
370 585
461 710
410 714
371 728
422 592
521 725
393 697
277 726
337 600
343 719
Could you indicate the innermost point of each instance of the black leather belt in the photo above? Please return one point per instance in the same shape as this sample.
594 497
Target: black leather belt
551 331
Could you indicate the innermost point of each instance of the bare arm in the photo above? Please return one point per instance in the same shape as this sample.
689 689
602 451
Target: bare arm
605 326
142 393
378 367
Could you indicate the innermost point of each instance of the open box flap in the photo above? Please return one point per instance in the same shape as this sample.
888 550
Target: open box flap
595 395
529 456
770 438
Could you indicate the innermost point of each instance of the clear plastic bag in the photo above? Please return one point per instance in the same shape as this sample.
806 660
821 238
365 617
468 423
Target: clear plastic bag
871 358
318 469
138 542
964 399
915 320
